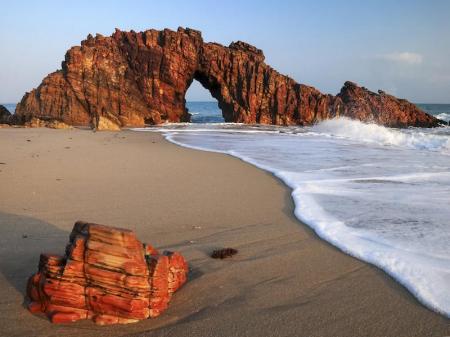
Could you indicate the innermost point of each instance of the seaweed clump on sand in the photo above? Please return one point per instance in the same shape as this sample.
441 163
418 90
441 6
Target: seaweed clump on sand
224 253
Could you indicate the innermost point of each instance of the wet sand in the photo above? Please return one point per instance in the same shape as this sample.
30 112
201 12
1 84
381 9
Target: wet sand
285 281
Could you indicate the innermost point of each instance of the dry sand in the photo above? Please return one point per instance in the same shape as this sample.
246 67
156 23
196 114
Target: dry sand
284 281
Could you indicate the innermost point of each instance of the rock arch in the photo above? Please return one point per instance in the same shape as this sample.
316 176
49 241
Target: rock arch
136 78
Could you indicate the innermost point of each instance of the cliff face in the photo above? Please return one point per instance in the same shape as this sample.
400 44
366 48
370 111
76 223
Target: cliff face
132 79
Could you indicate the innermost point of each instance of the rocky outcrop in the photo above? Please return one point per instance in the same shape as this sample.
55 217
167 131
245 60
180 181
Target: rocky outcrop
132 79
5 115
105 124
106 275
382 108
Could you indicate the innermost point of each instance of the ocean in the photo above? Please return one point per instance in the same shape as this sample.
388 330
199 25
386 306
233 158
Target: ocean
441 111
379 194
10 106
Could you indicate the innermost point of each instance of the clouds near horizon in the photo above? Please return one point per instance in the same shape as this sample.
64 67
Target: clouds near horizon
403 57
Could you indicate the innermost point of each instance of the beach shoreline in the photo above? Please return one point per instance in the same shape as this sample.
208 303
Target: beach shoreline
284 281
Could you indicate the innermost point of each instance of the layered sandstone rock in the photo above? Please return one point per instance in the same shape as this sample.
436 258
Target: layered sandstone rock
105 124
106 275
132 79
52 124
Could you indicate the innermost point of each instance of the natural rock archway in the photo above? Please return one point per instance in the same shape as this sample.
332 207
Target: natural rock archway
132 79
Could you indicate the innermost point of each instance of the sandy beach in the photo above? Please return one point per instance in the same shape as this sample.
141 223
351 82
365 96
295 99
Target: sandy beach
284 281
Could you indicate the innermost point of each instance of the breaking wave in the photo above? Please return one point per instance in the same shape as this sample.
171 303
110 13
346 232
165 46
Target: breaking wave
413 138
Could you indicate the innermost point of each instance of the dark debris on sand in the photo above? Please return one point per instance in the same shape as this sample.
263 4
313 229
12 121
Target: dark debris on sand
223 253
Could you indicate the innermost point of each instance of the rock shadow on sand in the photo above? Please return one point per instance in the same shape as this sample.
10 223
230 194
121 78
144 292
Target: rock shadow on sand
23 239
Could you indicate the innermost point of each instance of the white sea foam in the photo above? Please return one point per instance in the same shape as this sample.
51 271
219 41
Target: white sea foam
379 194
373 133
445 116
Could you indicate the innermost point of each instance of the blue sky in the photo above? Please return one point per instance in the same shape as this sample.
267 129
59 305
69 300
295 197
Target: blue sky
400 46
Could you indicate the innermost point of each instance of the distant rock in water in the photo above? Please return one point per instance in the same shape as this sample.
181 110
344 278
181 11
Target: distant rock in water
5 115
133 79
106 275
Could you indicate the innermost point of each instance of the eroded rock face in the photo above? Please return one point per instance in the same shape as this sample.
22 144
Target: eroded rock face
382 108
132 79
106 275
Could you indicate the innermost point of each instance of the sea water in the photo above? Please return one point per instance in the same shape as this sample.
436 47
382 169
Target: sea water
379 194
206 112
441 111
11 107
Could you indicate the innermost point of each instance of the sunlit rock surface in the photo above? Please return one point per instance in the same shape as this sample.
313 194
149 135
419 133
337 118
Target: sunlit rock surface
106 275
133 79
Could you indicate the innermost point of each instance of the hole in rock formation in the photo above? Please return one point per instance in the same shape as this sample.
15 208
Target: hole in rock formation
202 107
106 275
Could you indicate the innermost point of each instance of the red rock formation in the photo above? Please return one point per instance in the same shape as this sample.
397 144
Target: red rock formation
106 275
132 79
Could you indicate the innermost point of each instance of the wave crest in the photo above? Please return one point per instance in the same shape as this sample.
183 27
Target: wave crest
372 133
445 116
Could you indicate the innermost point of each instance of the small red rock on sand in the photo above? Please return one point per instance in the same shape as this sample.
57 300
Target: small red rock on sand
106 275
